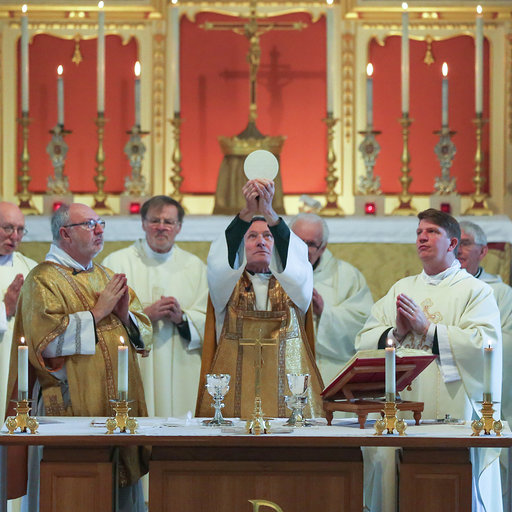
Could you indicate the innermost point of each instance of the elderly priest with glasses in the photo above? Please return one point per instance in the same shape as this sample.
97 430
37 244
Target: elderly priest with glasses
72 313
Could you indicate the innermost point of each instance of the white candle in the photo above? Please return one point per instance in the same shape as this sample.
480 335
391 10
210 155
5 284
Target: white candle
329 34
405 59
60 96
479 60
390 368
122 367
175 63
369 96
101 59
444 96
488 356
22 370
24 60
137 92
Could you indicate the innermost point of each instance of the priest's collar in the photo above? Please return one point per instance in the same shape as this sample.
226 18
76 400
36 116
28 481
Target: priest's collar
6 260
158 256
57 255
478 272
437 278
262 274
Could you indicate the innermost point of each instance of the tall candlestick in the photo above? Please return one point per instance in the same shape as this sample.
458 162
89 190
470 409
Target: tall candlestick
405 59
444 96
488 356
22 370
122 367
101 58
137 93
390 369
175 64
60 96
24 61
329 78
369 96
479 60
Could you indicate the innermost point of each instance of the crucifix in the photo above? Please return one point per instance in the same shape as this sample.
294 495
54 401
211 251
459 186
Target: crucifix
252 29
257 424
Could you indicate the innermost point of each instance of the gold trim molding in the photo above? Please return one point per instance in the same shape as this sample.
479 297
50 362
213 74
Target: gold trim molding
508 87
348 83
158 86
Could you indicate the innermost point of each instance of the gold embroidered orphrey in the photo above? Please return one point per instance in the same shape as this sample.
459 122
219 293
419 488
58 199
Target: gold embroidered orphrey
436 317
282 344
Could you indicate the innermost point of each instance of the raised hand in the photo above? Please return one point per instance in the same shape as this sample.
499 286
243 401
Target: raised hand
12 294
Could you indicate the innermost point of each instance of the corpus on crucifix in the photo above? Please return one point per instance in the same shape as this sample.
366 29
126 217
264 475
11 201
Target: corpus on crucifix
236 148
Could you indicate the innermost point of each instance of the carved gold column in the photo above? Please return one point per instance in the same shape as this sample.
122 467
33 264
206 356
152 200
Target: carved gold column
100 198
176 177
404 207
331 208
25 197
479 206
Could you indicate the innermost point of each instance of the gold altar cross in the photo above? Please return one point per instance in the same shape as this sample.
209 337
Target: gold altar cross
258 343
253 28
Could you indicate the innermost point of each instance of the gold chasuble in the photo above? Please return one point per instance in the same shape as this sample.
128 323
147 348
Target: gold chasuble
276 337
50 295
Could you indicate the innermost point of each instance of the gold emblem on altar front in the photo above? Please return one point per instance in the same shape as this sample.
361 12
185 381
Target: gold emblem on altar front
257 504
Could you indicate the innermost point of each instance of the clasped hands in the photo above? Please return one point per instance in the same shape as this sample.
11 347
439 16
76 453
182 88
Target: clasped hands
259 194
115 298
409 318
166 308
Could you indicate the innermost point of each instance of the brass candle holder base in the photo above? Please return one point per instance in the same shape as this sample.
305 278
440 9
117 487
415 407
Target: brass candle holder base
486 422
257 424
121 420
390 421
22 420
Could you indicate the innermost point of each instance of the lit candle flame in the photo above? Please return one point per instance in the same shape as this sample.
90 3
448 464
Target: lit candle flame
390 343
136 69
369 69
22 340
445 69
24 8
405 6
121 339
479 9
60 70
330 2
174 2
101 4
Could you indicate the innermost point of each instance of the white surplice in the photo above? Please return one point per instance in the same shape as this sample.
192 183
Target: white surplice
171 371
10 267
347 304
463 312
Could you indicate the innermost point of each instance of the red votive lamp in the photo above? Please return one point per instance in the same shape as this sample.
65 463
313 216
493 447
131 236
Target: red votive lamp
56 205
370 208
134 208
446 208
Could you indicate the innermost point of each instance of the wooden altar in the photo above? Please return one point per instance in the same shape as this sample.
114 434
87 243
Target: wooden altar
195 468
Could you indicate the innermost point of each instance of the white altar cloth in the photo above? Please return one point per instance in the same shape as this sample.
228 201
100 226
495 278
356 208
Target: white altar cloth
398 230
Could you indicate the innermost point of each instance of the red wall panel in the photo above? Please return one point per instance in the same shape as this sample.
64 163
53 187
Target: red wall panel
291 99
425 110
46 53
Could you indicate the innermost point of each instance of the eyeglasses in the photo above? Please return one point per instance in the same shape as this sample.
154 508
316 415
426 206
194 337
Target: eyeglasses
168 223
313 245
468 243
9 229
90 224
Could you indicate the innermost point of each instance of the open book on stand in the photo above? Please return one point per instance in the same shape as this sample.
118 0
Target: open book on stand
360 386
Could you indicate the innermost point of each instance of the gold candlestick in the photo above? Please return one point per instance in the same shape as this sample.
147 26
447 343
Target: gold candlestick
257 424
121 420
176 178
331 208
22 420
486 422
405 207
100 198
479 206
390 421
24 195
